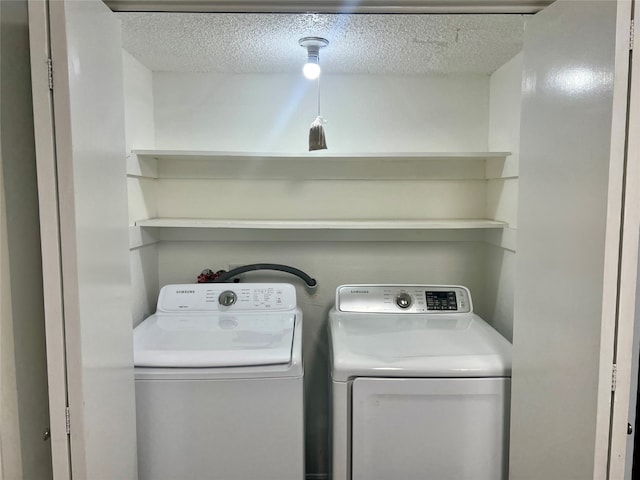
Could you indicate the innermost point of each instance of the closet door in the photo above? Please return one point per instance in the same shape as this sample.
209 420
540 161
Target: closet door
83 207
576 57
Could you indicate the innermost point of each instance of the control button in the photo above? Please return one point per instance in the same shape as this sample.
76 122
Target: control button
403 300
227 298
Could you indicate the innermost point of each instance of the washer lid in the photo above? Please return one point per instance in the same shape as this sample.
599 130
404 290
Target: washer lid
214 340
365 345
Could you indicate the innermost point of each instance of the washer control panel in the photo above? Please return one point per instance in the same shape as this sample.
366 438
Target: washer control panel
403 299
205 297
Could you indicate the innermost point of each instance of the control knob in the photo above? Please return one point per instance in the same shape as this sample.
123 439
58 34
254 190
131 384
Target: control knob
227 298
403 300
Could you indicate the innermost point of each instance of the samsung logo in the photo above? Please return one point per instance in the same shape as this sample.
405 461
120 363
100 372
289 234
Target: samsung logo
185 291
359 291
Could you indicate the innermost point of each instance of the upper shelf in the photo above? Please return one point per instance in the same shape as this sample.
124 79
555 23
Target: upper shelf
321 165
179 155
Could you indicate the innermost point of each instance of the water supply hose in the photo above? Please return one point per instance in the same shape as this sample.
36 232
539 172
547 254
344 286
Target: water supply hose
311 282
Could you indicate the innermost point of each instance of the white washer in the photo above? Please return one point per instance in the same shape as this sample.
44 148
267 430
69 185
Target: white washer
219 384
420 386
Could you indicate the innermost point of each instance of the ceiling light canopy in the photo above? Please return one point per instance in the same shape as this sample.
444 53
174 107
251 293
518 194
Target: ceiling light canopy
311 69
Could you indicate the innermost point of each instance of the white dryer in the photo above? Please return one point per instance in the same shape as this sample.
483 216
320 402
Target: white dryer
420 386
218 373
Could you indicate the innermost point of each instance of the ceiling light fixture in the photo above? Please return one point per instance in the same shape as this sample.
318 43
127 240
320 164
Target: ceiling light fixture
311 69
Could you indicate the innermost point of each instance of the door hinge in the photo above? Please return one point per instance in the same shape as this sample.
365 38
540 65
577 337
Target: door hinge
67 420
614 377
632 34
50 73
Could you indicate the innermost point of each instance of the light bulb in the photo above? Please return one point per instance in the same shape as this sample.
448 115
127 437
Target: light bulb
311 70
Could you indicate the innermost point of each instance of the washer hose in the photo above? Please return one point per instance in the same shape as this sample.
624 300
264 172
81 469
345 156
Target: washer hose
311 282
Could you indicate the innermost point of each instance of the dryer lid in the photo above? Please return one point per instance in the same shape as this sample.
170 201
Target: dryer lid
214 340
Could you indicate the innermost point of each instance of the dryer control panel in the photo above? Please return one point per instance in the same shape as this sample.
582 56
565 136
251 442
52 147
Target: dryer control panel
403 299
206 297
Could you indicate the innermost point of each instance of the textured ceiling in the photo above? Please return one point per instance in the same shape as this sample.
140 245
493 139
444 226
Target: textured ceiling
359 44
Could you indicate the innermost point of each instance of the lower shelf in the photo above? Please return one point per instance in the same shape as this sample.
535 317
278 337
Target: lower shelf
434 224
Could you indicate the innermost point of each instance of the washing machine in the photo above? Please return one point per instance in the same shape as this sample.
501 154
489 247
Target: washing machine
218 381
420 386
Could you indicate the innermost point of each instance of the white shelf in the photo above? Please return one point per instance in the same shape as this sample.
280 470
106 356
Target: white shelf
151 231
321 224
323 165
189 176
180 155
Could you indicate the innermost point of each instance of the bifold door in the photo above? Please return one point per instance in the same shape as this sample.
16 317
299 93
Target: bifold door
80 148
441 429
570 205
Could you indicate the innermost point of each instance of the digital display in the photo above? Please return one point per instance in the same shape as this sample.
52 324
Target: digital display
441 300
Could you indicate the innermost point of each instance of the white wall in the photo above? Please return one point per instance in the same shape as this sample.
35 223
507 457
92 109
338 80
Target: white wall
140 133
24 413
139 104
322 199
272 113
502 190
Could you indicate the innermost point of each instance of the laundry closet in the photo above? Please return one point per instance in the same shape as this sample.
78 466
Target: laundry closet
164 162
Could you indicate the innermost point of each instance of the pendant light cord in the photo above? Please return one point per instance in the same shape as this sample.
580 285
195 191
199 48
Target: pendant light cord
318 95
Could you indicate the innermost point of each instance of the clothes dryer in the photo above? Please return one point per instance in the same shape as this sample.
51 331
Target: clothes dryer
219 373
420 386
